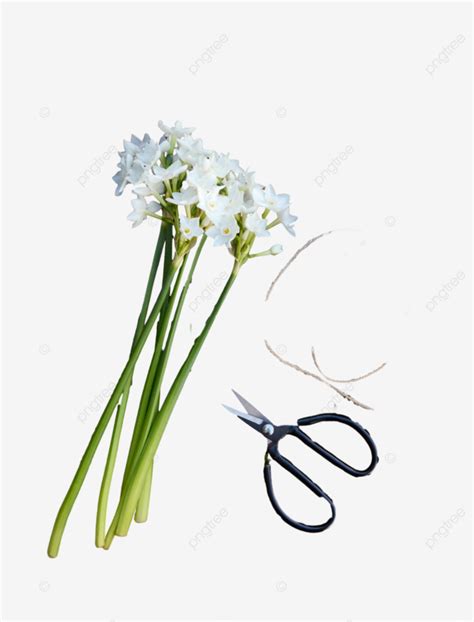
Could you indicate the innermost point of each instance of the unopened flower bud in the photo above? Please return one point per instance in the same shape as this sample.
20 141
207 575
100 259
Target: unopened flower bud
276 249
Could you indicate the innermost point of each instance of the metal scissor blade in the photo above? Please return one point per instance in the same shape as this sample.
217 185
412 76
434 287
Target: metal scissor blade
247 418
251 410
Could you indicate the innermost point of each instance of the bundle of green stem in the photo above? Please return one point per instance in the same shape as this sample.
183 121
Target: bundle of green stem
152 417
180 243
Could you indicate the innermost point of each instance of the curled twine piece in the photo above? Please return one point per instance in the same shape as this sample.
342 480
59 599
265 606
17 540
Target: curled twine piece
292 259
323 377
343 394
370 373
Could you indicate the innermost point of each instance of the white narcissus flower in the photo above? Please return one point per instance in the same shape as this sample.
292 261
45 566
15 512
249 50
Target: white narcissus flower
236 199
164 145
221 196
153 182
258 225
141 209
212 204
191 150
136 158
190 227
187 197
148 154
288 220
175 131
221 164
164 174
269 199
224 231
249 207
142 191
201 178
246 180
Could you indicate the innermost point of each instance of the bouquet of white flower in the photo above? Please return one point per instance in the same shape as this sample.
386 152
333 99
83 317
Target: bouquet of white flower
196 194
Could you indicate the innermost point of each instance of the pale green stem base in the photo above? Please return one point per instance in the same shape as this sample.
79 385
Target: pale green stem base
101 518
144 501
108 471
145 397
143 506
133 490
76 484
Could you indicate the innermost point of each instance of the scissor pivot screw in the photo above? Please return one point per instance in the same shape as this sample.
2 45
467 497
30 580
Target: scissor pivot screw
268 429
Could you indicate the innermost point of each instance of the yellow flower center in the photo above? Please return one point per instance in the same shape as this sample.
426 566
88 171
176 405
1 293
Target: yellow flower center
226 231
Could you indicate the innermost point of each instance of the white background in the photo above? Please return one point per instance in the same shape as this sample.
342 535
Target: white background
292 87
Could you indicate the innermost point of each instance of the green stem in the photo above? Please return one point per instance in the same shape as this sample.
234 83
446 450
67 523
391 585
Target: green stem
144 501
149 401
155 393
117 429
143 505
153 365
133 489
76 484
165 231
150 404
142 408
109 470
274 223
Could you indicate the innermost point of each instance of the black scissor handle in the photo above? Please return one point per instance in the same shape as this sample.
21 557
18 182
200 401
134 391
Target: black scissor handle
325 453
304 479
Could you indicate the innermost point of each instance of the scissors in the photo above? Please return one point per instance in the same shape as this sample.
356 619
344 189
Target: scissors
273 433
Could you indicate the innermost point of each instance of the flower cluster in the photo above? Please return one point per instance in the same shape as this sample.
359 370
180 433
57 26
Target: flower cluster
199 191
196 194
